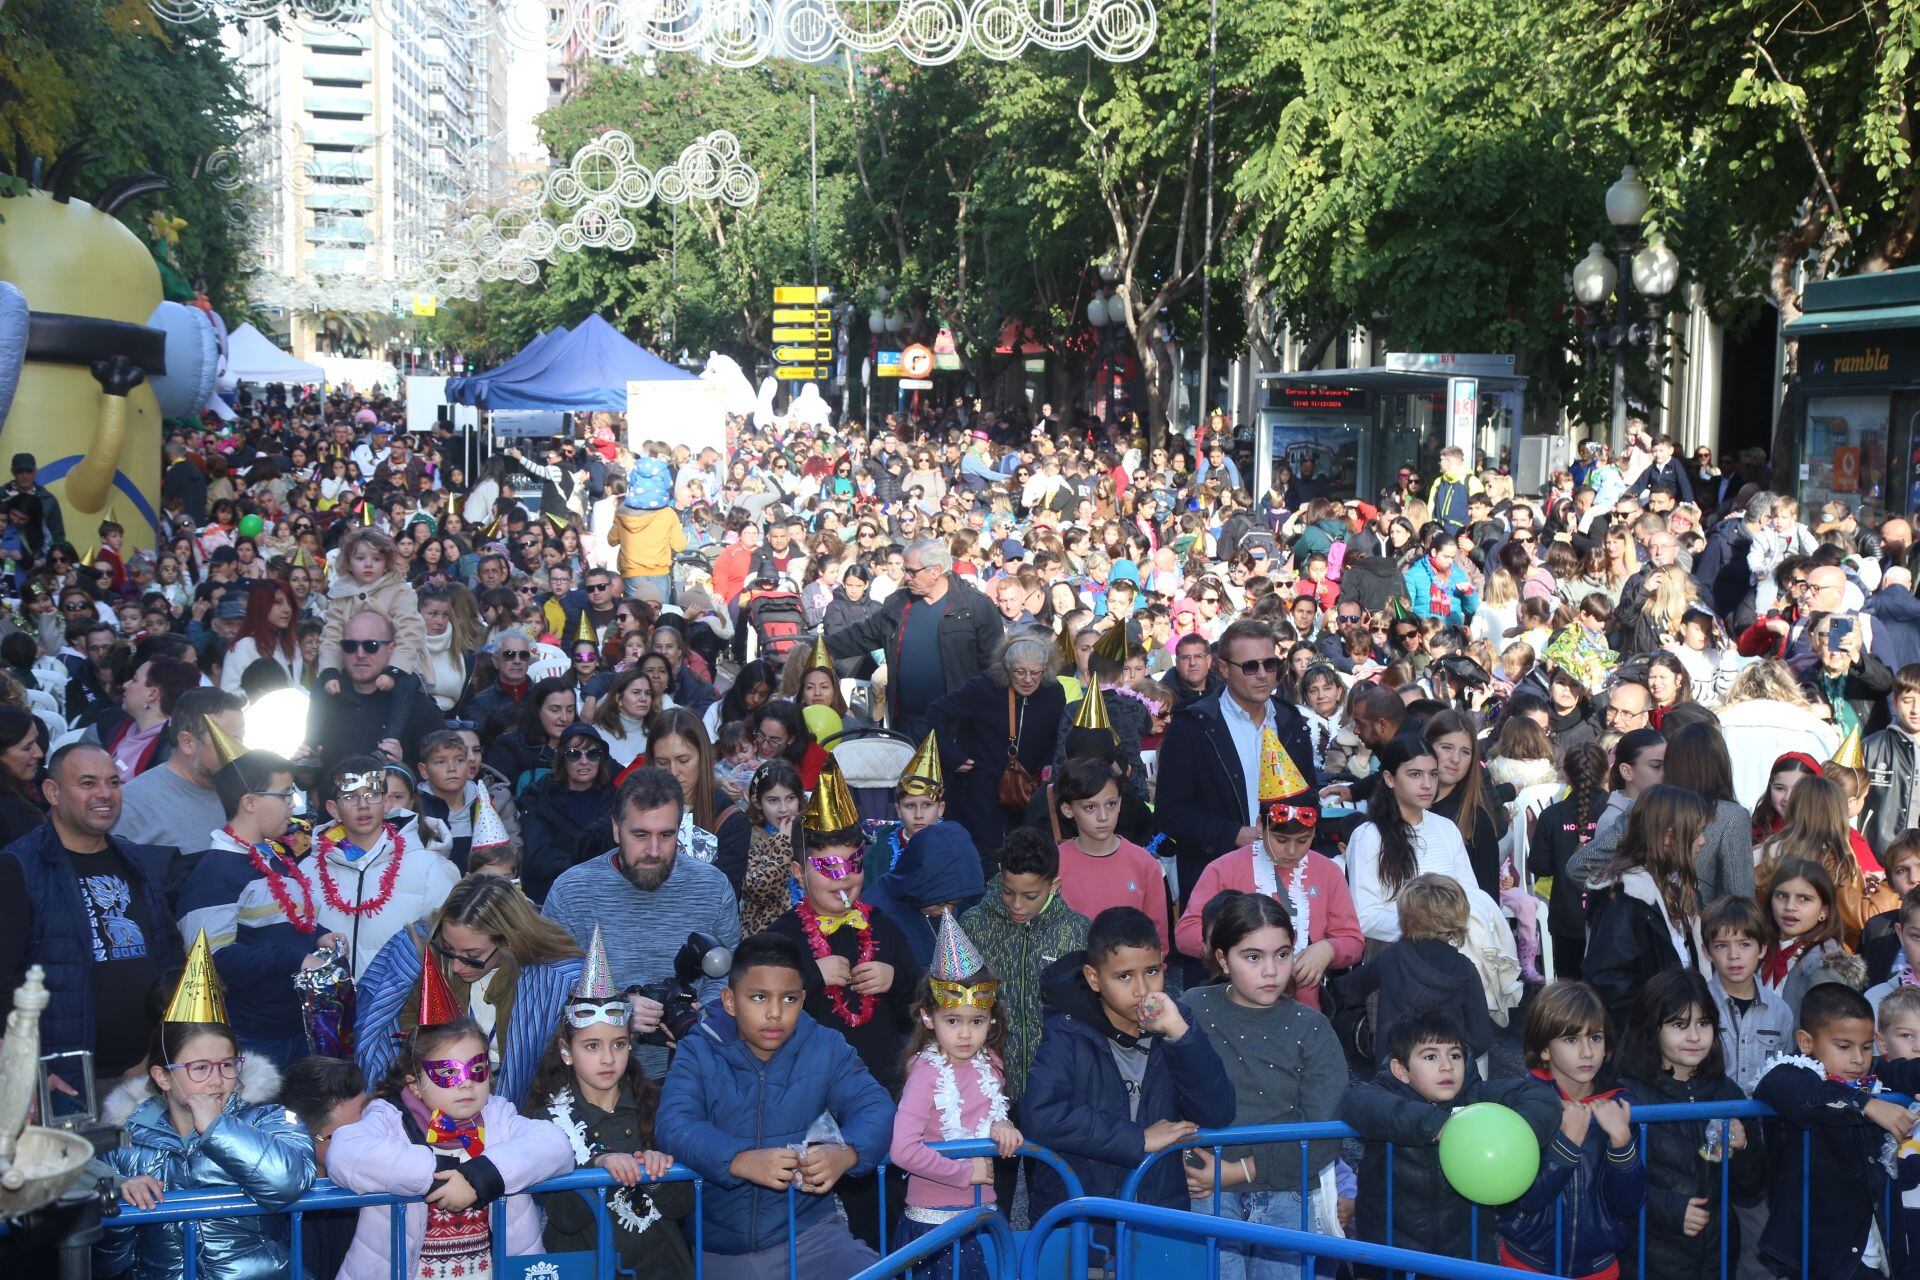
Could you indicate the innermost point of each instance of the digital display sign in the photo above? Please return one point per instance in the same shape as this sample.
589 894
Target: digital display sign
1297 398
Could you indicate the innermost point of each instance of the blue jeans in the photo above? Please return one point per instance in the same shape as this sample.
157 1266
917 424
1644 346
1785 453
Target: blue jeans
1275 1209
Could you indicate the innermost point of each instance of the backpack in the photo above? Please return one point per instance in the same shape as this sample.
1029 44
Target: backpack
779 621
1450 504
649 485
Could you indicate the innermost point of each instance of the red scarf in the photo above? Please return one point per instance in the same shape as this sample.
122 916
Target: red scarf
1779 962
1439 599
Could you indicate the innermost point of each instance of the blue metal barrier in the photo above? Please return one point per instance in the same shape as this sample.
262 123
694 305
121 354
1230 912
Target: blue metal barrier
981 1219
1179 1222
190 1208
1642 1117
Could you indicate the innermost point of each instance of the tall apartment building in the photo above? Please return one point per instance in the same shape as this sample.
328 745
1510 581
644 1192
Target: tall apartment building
373 138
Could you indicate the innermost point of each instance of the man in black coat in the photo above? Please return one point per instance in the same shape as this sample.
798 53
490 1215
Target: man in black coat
26 485
937 634
1210 756
363 719
1721 572
184 480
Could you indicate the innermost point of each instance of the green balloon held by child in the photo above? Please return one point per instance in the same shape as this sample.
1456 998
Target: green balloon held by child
250 526
1489 1153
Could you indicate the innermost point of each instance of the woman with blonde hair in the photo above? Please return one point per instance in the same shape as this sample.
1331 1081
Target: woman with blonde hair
1499 611
1818 830
1764 715
509 967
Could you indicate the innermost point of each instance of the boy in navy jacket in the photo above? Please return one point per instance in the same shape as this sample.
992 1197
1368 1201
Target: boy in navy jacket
742 1094
1120 1071
1827 1092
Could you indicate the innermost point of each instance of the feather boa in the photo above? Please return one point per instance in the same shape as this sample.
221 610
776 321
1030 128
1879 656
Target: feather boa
620 1202
946 1094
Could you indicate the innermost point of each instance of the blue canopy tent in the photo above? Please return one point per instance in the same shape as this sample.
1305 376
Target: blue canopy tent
532 356
589 371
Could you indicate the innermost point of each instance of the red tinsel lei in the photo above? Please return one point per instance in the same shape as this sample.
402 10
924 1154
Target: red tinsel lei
387 878
821 948
301 917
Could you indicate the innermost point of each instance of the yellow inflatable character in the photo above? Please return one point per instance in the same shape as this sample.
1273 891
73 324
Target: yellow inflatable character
85 347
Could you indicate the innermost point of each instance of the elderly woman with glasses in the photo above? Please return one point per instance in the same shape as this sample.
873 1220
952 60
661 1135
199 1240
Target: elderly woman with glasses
508 967
1009 713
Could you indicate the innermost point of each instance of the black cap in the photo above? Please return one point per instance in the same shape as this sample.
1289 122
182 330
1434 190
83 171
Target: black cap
24 462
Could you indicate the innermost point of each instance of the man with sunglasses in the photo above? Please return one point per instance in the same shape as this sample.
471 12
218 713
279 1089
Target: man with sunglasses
363 718
512 654
1210 756
645 898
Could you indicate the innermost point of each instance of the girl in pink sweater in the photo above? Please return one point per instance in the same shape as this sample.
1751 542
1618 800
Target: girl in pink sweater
954 1089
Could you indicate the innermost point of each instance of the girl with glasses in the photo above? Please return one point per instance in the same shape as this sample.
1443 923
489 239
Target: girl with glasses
196 1077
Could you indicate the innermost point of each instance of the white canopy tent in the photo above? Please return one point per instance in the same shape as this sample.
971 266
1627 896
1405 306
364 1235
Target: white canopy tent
252 358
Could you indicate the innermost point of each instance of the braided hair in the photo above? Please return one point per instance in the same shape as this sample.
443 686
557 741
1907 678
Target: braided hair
1585 768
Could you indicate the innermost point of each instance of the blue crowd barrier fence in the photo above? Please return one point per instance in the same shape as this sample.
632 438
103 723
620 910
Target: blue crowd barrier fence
1642 1118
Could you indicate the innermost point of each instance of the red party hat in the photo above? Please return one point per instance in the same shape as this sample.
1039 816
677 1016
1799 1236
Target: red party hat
436 1001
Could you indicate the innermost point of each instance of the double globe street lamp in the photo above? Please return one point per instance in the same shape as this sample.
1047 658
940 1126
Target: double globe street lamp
1107 313
1654 270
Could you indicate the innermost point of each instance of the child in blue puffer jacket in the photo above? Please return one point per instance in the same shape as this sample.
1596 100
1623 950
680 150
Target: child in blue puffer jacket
739 1102
1590 1172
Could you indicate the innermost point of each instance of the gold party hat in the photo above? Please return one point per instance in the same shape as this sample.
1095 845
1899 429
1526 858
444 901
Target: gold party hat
818 659
87 556
366 513
831 807
1093 709
224 745
1851 753
559 525
584 633
1279 777
923 776
1113 645
303 559
198 998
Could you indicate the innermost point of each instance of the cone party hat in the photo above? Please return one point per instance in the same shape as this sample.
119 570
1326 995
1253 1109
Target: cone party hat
1851 753
583 631
955 959
437 1006
596 975
923 776
1279 777
224 744
488 831
87 557
1112 644
818 659
1093 709
198 998
554 520
831 807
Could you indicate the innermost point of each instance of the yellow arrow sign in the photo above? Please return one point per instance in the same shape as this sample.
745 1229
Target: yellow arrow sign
801 293
803 335
802 315
801 373
802 355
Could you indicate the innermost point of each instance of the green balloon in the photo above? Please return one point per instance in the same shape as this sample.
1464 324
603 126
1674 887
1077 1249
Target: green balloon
250 526
1489 1154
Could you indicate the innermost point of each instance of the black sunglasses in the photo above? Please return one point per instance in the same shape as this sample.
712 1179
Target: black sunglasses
363 646
594 754
1254 666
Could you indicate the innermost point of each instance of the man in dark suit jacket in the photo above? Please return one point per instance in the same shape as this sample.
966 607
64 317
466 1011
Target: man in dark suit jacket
1210 756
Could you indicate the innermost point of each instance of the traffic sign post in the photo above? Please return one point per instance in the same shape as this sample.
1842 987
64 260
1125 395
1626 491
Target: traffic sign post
803 333
803 372
806 294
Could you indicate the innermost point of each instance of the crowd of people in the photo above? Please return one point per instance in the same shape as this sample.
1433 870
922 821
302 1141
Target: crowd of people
1213 808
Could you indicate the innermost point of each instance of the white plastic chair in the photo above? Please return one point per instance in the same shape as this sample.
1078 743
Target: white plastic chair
40 700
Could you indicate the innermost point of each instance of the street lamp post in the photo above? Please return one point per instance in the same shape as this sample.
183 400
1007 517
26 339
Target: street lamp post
1107 313
1653 268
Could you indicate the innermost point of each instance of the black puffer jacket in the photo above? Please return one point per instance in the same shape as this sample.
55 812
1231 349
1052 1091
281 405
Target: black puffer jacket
1372 580
1677 1173
1428 1214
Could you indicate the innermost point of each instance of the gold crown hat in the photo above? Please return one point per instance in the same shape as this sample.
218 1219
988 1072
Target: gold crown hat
1093 709
1851 753
830 807
818 660
923 776
1113 645
488 831
1279 777
955 959
224 744
198 998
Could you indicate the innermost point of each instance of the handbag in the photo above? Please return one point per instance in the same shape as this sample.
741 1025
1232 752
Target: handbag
1017 784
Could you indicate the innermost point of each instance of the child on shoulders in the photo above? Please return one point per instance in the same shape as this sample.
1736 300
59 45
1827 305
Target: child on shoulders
1424 968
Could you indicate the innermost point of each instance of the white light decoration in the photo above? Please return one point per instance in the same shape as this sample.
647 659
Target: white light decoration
737 33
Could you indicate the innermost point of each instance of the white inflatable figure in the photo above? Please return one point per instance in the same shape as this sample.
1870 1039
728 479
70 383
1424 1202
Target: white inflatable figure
736 391
763 412
809 408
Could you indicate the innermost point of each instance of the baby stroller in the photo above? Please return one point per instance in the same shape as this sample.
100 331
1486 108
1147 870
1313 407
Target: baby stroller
779 622
872 760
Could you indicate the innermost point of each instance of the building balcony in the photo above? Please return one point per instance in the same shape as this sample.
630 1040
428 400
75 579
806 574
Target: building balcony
339 201
349 231
332 39
337 104
337 71
329 169
326 133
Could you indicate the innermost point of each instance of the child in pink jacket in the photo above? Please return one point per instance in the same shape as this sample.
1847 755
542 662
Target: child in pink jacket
434 1130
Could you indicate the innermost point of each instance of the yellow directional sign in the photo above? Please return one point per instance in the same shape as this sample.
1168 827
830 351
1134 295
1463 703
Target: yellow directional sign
803 355
822 335
801 293
802 373
802 315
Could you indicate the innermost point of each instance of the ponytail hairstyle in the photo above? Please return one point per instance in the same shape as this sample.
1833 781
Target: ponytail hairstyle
1629 749
424 1043
1767 819
1585 768
1398 861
